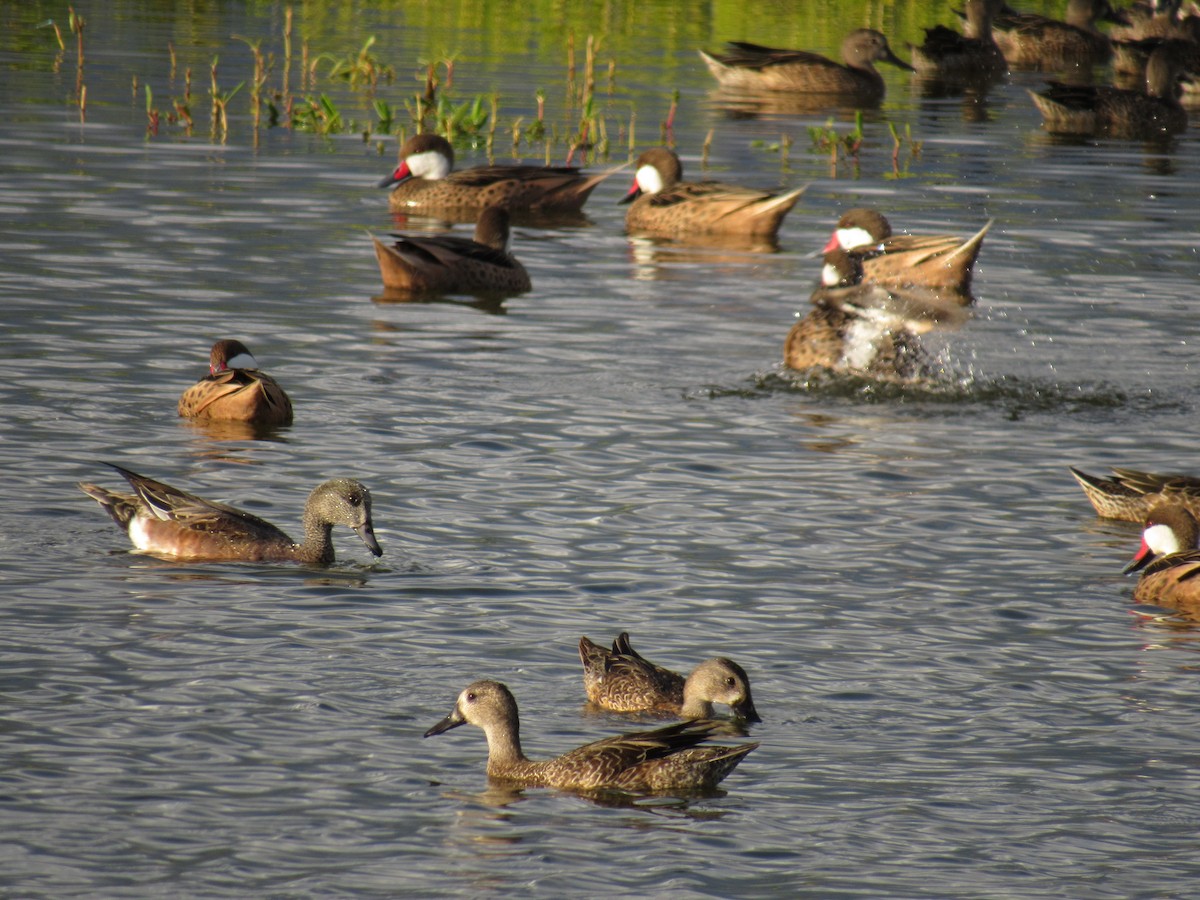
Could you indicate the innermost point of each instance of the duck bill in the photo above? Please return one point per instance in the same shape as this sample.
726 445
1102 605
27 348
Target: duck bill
1143 558
896 61
451 721
634 193
400 175
367 533
746 711
833 243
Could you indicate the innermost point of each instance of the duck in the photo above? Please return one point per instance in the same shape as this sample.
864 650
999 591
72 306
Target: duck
664 760
662 203
946 54
1159 20
166 521
752 67
449 264
1030 39
622 680
869 329
1130 494
1168 558
1132 114
235 390
937 260
426 181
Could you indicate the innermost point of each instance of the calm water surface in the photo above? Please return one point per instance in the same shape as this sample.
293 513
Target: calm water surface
958 697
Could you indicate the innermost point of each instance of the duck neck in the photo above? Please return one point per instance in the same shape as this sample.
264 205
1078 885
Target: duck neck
318 540
695 706
504 748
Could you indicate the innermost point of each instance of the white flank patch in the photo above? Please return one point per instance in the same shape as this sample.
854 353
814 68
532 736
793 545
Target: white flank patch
139 535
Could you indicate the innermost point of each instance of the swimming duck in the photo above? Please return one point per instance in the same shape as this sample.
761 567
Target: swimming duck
662 203
752 67
235 390
425 181
1030 39
624 681
447 264
936 260
1168 558
164 520
664 760
1136 115
946 54
1130 494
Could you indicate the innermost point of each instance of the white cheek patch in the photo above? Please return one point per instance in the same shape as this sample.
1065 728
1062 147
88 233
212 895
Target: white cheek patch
430 164
831 276
852 238
1162 540
241 361
649 180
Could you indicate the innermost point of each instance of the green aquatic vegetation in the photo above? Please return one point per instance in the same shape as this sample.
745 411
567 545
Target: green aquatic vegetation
363 69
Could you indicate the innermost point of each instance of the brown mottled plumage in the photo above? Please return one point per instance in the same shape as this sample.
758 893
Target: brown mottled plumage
235 391
936 260
164 520
664 760
1030 39
1168 559
450 264
752 67
663 203
622 680
1130 494
1136 115
424 182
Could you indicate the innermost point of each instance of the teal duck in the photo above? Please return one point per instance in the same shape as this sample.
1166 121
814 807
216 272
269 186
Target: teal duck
235 390
939 260
1168 559
948 55
1159 20
1033 40
662 203
751 67
450 264
664 760
1136 115
622 680
1130 494
426 181
164 520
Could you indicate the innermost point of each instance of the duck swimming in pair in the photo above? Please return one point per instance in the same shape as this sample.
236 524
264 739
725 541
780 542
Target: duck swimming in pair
1154 112
164 520
664 760
1130 494
622 680
936 260
663 203
425 182
451 264
752 67
235 390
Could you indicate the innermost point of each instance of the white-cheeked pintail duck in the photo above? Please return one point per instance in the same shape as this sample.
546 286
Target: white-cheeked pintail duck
426 181
935 260
665 760
236 391
662 203
1148 114
1168 559
164 520
622 680
451 264
1130 494
751 67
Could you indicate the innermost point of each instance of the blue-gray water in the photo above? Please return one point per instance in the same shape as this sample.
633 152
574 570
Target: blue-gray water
959 699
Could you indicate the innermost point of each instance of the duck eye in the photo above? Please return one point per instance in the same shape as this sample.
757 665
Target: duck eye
730 681
470 696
